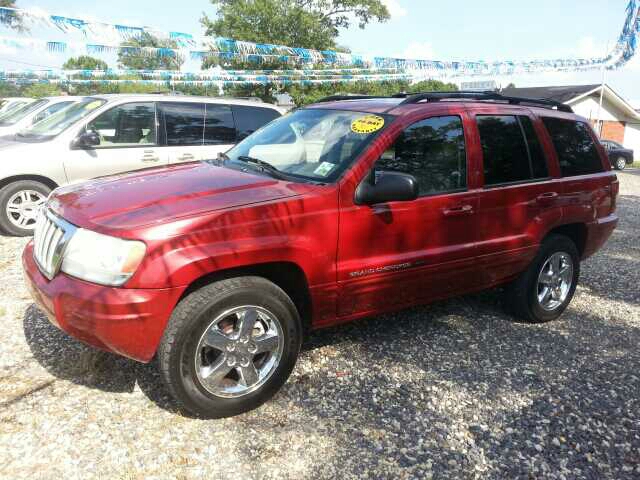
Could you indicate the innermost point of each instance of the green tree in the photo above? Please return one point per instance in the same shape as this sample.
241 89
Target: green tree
11 20
296 23
141 60
85 62
39 90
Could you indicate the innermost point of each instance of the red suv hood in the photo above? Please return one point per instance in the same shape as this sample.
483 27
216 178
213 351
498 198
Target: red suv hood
159 195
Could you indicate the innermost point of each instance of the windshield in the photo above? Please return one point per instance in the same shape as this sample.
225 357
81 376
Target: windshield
61 120
14 116
311 144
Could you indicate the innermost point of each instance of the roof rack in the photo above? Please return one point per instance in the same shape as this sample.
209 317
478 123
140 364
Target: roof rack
410 98
482 96
337 98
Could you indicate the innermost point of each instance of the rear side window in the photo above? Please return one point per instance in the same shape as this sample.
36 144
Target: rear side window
249 119
511 149
219 127
577 152
183 123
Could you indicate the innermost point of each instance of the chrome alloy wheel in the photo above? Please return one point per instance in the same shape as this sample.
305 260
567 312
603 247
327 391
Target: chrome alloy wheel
239 351
555 281
621 163
22 208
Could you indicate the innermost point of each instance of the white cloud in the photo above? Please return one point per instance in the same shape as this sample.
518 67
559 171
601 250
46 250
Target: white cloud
587 48
418 51
395 9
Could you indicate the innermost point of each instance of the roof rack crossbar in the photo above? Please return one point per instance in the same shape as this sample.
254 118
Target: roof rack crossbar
482 96
337 98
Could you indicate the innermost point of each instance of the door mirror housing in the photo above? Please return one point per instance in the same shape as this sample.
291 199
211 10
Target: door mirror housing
87 139
387 187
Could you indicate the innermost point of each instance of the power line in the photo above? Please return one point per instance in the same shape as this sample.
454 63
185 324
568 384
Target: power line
30 64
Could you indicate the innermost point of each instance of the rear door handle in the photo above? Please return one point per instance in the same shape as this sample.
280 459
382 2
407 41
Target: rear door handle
546 198
186 157
457 211
150 156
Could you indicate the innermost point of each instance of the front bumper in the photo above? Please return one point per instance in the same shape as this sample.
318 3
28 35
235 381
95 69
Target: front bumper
129 322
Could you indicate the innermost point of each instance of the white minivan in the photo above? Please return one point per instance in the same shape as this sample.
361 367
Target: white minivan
31 113
106 134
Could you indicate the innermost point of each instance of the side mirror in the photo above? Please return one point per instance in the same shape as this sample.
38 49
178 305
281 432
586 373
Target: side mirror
87 139
388 187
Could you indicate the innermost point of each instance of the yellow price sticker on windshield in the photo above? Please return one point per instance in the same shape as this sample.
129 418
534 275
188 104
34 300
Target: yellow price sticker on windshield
367 124
93 105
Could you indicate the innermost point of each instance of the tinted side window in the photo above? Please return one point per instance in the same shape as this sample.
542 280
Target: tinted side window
183 123
219 127
433 151
504 150
577 152
126 125
538 159
249 119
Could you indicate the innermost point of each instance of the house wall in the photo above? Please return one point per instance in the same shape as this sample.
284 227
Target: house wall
616 125
632 139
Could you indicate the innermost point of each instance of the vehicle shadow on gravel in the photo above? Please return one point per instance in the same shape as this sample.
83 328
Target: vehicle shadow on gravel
69 359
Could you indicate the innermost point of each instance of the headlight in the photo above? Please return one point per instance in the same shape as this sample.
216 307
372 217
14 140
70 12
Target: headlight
100 258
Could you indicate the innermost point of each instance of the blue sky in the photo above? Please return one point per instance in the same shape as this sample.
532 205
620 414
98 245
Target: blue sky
464 29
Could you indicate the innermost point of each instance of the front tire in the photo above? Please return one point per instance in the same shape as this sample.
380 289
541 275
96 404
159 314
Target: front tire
230 346
545 289
19 204
621 163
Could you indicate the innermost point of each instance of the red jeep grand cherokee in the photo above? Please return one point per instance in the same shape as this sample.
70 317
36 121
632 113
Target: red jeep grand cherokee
344 209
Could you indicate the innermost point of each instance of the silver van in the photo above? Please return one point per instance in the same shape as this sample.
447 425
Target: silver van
107 134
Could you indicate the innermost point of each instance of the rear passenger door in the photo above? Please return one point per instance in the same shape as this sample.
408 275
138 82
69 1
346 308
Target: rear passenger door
519 200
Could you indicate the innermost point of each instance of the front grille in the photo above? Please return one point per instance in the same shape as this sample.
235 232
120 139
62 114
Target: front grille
49 239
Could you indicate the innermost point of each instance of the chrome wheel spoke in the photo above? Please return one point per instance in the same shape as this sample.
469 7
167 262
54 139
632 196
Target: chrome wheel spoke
555 280
213 374
216 339
544 296
546 278
266 343
249 374
246 322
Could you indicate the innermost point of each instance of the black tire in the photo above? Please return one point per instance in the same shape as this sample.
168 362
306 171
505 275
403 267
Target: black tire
191 318
621 163
6 193
522 294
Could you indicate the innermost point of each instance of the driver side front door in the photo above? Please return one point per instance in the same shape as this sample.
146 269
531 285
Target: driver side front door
398 254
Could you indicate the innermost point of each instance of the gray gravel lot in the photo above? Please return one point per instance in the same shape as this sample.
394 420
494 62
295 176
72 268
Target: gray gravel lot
456 389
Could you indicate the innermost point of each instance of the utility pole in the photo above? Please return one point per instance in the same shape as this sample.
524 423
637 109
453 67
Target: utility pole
604 70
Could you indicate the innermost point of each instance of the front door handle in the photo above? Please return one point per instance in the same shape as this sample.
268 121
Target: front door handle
458 211
150 156
187 157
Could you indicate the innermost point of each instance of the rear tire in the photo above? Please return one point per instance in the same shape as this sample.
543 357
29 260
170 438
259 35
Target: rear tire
205 338
19 202
621 163
545 289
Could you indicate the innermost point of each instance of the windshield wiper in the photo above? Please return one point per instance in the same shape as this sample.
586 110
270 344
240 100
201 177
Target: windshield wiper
264 166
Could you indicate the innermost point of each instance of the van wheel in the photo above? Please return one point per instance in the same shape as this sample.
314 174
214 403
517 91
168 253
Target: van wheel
230 346
621 163
545 289
19 205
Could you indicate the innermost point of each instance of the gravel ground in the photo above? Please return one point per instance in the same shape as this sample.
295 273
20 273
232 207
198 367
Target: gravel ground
456 389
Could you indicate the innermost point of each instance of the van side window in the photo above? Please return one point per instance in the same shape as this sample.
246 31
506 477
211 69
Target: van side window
249 119
183 123
126 125
577 152
433 151
219 127
510 149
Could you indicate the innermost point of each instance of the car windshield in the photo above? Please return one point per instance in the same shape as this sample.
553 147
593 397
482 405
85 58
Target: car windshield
61 120
311 144
14 116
